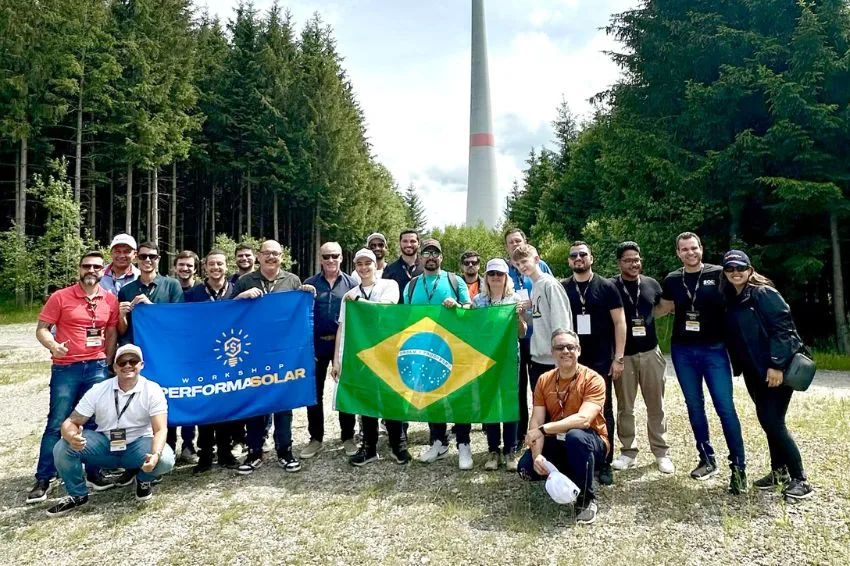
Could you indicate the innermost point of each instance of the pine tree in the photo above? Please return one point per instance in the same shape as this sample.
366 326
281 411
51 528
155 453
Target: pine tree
416 217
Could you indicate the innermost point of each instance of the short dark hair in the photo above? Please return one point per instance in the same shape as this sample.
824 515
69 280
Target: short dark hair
408 231
214 251
243 246
92 253
186 254
510 231
578 243
623 247
687 236
150 246
469 253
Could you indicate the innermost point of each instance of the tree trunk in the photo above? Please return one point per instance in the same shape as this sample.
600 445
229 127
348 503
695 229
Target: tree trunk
289 226
841 330
110 234
316 240
172 221
128 223
239 212
212 216
154 230
92 200
275 217
21 200
260 215
248 217
78 149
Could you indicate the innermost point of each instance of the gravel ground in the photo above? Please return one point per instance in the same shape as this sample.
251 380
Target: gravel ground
331 513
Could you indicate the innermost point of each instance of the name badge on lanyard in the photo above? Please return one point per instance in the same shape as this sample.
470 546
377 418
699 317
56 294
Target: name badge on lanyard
118 440
692 321
583 324
94 337
638 327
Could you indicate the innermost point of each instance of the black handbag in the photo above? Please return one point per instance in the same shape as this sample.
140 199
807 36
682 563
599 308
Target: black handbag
800 372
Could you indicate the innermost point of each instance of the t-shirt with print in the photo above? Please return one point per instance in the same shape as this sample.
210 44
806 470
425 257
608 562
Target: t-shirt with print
699 316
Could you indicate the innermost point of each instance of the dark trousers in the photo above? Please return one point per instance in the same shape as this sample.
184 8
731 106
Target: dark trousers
218 435
771 408
497 432
608 410
316 413
439 432
395 433
577 457
524 367
187 433
258 429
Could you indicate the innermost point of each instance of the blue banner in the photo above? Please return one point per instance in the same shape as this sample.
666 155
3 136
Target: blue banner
225 360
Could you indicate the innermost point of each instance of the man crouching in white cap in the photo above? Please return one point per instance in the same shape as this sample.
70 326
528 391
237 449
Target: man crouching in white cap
567 428
131 414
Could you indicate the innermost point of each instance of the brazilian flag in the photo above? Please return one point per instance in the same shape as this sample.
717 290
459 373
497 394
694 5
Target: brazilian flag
429 363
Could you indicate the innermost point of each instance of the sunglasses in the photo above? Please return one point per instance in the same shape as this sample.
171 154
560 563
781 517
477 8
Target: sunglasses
471 262
574 255
132 362
431 254
736 268
151 257
567 347
330 256
495 274
89 266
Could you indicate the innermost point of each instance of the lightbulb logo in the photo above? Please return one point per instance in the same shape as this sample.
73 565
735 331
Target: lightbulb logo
231 347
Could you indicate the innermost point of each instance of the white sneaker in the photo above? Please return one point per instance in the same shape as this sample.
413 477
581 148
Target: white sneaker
665 465
623 462
350 447
464 457
436 452
189 455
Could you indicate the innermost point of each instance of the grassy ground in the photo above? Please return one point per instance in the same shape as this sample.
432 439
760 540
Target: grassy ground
10 313
331 513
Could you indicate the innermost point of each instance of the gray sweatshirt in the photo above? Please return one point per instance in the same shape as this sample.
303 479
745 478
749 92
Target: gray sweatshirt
550 310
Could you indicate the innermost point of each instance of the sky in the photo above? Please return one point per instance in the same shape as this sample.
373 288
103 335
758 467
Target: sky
409 62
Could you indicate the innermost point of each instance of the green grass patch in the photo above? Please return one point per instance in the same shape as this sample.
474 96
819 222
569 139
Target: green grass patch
11 313
831 360
23 371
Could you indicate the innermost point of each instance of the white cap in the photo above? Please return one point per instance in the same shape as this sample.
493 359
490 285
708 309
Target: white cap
497 264
125 239
128 349
559 487
365 253
376 235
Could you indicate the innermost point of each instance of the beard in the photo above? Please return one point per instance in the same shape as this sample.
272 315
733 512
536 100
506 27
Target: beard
89 279
580 269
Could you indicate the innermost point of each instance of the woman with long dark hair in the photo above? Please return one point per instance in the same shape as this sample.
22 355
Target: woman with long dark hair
762 339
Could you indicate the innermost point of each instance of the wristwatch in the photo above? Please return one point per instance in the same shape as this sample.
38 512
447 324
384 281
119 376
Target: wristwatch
620 360
541 429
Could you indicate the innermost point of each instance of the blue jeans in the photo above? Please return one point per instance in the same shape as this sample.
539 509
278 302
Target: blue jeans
694 364
578 456
69 462
257 430
68 383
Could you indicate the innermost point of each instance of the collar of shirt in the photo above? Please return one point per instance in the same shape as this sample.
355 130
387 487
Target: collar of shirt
140 382
80 294
134 272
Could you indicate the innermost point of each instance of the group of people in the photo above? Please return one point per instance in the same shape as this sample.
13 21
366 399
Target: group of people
582 342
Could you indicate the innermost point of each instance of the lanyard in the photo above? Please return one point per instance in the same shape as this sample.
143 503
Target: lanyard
563 399
582 295
433 287
268 286
217 295
634 301
692 296
409 269
92 307
148 290
127 404
363 292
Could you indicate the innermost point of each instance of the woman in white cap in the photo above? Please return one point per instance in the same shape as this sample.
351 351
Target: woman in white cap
498 289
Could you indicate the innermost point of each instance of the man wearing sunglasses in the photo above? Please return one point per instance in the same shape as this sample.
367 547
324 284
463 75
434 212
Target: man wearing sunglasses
85 317
469 264
377 244
130 413
331 285
407 266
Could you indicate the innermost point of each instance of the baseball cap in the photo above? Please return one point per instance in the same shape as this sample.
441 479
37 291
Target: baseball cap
377 235
365 253
559 487
125 239
736 257
497 264
431 243
129 349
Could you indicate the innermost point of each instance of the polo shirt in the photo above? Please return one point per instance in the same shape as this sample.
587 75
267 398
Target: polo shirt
146 400
68 309
161 290
434 289
596 298
326 309
114 284
586 385
400 272
283 281
200 293
698 293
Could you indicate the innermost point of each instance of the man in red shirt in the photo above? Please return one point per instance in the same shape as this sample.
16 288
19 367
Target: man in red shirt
85 317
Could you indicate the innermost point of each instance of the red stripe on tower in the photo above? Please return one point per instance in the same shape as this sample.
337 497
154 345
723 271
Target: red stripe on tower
478 140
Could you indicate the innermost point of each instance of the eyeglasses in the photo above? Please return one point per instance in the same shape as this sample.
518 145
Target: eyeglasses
132 362
631 260
430 254
495 274
90 266
471 262
567 347
330 256
151 257
269 253
574 255
736 268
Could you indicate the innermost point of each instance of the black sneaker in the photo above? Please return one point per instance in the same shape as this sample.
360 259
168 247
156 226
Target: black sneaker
586 513
227 461
205 462
773 480
738 481
401 457
66 505
39 490
252 461
287 461
99 482
606 476
363 456
706 469
144 490
798 489
126 478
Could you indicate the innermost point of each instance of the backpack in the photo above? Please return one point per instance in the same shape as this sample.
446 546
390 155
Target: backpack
452 282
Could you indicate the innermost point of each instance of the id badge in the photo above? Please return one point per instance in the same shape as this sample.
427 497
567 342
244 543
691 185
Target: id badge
118 440
94 337
638 327
583 324
692 321
561 436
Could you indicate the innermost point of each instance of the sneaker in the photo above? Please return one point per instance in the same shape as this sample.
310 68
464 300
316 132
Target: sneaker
606 477
492 463
126 478
144 490
401 457
665 465
287 461
66 505
40 489
585 514
382 427
313 447
464 457
436 452
512 461
772 480
706 469
98 482
798 489
350 447
189 455
363 456
738 481
239 449
227 461
623 462
204 464
251 463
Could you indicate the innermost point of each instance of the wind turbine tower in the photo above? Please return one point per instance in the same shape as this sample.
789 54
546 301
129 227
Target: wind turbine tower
481 199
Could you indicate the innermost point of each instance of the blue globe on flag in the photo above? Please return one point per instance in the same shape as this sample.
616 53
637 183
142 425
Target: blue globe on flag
424 362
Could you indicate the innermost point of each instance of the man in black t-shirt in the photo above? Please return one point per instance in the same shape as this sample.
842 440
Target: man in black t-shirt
644 363
599 321
692 293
